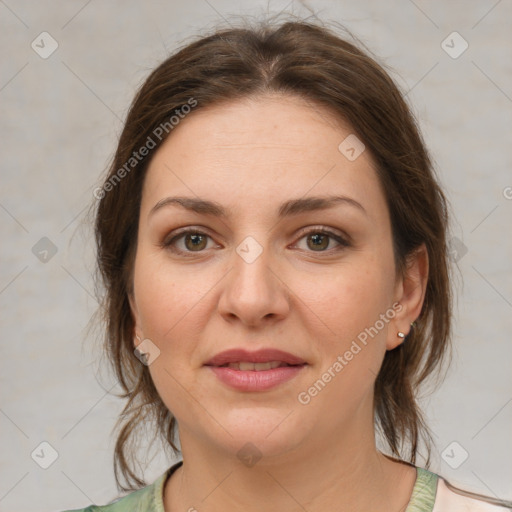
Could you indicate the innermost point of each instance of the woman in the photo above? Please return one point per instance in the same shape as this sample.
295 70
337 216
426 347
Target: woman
272 241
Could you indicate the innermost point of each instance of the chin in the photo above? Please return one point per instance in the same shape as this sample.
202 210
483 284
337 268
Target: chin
253 433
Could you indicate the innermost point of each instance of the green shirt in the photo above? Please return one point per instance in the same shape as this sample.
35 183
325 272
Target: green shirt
150 498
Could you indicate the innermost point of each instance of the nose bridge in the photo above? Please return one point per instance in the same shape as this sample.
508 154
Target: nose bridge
253 291
252 275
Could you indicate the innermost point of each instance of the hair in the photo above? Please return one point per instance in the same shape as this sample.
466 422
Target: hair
310 61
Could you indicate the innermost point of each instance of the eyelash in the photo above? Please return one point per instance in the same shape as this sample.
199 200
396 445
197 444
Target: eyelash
343 243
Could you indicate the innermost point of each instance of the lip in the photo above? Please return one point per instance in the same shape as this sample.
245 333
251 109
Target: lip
253 380
265 355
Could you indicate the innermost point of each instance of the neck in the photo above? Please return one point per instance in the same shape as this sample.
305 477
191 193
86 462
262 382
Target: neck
347 476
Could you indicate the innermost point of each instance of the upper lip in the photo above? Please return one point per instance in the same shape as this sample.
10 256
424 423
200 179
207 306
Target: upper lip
265 355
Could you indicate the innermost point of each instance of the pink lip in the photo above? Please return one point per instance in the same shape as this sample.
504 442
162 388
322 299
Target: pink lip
252 380
266 355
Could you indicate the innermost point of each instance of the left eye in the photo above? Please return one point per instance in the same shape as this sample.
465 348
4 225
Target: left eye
319 240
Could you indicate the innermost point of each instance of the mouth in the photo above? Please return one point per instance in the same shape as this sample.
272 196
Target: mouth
255 371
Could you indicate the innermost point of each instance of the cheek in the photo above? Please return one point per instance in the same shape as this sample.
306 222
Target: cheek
170 302
352 335
168 297
350 298
351 353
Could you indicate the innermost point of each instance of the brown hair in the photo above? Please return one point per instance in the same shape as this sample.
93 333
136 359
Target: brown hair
311 61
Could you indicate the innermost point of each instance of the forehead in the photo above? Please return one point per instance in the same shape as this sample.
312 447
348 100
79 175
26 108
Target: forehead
273 121
261 148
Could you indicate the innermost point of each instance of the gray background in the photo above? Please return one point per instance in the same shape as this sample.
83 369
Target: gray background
60 120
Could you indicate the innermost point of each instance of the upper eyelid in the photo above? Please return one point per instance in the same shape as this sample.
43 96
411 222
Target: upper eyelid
328 230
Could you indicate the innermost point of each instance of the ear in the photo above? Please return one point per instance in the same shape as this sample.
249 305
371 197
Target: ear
410 293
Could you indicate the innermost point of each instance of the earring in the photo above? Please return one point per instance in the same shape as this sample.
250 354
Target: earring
401 335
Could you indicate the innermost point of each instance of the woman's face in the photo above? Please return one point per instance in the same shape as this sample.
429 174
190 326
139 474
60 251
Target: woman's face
273 271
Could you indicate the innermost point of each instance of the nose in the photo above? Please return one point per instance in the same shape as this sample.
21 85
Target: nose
254 293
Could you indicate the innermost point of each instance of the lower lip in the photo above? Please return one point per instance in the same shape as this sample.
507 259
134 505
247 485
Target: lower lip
251 380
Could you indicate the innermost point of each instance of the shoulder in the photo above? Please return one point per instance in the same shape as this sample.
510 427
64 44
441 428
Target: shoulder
147 499
448 500
135 501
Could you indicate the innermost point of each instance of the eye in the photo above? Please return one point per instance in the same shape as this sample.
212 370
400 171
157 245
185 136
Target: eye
319 240
193 240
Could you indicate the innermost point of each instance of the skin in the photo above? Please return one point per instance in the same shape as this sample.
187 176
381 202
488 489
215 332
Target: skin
251 156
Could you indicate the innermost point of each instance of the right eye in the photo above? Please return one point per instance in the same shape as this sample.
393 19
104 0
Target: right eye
193 241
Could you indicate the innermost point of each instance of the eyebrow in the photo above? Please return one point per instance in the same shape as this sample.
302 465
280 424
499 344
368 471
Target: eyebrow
288 208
